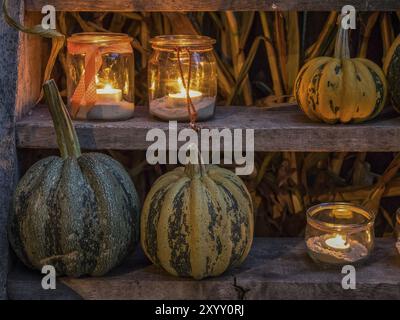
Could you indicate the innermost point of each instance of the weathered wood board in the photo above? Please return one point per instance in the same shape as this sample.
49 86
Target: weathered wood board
281 129
211 5
9 58
277 268
25 284
32 57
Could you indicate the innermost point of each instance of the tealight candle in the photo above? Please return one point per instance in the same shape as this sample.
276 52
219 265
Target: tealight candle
179 99
110 105
109 94
337 242
339 233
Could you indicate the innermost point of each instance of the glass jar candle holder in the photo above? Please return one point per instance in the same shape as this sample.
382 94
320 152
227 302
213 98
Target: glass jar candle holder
339 233
182 66
100 79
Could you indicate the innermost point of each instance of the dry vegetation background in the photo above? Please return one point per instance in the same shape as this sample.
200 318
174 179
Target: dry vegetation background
259 55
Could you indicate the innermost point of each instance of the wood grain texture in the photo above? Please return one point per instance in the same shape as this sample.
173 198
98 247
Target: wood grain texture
282 129
25 284
277 268
211 5
9 58
32 53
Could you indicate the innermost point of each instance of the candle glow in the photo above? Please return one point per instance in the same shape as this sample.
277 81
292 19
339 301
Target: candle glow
182 92
109 94
337 242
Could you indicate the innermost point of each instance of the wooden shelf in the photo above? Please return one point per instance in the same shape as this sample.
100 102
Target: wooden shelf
277 268
282 129
211 5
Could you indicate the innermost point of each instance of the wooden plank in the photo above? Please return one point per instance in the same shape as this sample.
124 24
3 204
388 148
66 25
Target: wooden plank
25 284
32 53
282 129
9 58
212 5
277 268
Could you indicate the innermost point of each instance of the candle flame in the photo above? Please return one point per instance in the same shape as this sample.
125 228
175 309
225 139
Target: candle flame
108 93
182 91
108 87
337 242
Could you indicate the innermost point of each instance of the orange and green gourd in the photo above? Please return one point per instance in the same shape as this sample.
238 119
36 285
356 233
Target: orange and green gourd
197 221
341 89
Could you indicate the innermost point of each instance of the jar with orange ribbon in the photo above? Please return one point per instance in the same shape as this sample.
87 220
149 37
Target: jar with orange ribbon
182 78
100 77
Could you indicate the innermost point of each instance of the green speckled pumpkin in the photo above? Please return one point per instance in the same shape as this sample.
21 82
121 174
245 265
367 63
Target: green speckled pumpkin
341 89
392 71
197 221
78 212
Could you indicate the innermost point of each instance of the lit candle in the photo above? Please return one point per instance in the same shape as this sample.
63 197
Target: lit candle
180 98
109 94
341 213
337 242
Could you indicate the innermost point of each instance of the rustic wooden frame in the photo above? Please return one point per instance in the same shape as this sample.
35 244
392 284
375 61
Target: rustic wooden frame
9 48
21 64
212 5
278 129
287 274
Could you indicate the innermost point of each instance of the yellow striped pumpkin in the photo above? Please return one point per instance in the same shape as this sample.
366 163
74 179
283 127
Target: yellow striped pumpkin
197 221
341 89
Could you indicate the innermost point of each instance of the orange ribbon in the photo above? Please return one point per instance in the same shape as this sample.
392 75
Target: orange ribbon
85 92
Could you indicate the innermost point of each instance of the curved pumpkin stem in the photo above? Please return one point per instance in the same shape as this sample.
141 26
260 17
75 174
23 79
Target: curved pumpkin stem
67 138
195 165
194 169
342 49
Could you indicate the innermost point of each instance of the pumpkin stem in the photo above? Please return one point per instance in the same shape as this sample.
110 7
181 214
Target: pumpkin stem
67 138
195 165
342 49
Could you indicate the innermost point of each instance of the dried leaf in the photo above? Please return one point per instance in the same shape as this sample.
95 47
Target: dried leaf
374 198
280 42
324 38
272 57
238 57
387 33
293 44
372 19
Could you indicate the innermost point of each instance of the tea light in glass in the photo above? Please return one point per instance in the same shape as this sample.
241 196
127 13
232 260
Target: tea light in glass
175 60
179 99
339 233
109 94
100 79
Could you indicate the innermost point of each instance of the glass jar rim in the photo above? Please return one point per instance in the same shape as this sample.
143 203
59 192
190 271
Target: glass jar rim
182 41
367 214
98 37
